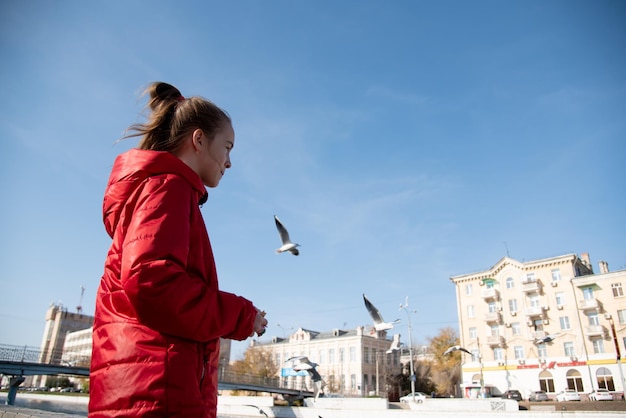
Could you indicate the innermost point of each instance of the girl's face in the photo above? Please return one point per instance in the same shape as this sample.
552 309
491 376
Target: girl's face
214 155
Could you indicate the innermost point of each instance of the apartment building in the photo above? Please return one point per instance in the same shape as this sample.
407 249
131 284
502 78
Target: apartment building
547 324
59 322
351 362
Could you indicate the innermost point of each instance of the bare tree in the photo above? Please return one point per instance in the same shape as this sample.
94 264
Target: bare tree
257 361
446 369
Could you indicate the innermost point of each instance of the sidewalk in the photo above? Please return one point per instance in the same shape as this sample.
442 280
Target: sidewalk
8 411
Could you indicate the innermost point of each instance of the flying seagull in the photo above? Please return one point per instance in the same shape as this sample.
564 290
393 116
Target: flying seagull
456 348
284 237
379 322
303 363
395 344
547 339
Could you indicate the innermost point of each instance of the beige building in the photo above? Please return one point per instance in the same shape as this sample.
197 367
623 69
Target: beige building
547 325
67 340
351 362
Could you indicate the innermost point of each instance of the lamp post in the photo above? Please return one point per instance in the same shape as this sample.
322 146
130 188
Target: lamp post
482 377
618 354
412 377
377 380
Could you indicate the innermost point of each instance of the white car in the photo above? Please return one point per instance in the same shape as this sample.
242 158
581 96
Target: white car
419 398
567 395
600 395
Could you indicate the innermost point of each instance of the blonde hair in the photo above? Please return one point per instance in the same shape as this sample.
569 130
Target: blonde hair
172 116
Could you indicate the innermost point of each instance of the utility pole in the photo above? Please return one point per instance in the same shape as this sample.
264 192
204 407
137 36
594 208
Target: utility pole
618 353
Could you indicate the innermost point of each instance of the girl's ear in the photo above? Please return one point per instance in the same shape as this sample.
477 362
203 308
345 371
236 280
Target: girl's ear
197 139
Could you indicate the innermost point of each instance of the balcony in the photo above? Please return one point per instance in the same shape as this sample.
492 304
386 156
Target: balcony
495 340
534 311
590 305
493 317
595 331
491 294
532 286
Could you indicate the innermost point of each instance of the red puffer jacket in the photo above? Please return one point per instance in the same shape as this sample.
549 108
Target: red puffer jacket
159 312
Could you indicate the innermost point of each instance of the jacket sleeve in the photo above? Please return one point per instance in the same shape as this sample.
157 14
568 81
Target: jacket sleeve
165 294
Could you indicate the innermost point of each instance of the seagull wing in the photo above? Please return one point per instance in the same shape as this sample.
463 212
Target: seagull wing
450 350
315 376
302 359
282 231
374 313
455 348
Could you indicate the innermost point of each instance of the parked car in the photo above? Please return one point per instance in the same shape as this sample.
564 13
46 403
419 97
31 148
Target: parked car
567 395
512 394
600 395
419 397
538 396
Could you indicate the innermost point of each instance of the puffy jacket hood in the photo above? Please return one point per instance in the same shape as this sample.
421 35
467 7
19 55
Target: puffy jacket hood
130 169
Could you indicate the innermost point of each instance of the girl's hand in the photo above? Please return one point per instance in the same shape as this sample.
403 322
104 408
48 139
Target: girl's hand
260 323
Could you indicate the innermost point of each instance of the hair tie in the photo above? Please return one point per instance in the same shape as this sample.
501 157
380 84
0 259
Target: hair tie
181 98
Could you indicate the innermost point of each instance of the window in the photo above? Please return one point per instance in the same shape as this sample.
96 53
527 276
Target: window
352 354
519 352
560 298
331 355
556 275
365 382
593 318
470 311
538 324
495 330
564 321
341 352
588 293
513 305
605 379
472 333
498 353
546 382
598 345
574 380
468 289
489 283
530 277
492 307
534 300
542 351
568 348
322 358
617 290
475 354
515 328
353 382
366 355
621 316
510 283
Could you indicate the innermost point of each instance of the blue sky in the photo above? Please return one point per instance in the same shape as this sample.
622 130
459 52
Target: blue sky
400 142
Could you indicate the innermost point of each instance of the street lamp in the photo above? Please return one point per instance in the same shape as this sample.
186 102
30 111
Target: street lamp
404 307
618 354
377 379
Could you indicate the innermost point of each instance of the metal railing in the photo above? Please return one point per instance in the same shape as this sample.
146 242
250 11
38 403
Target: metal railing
34 355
